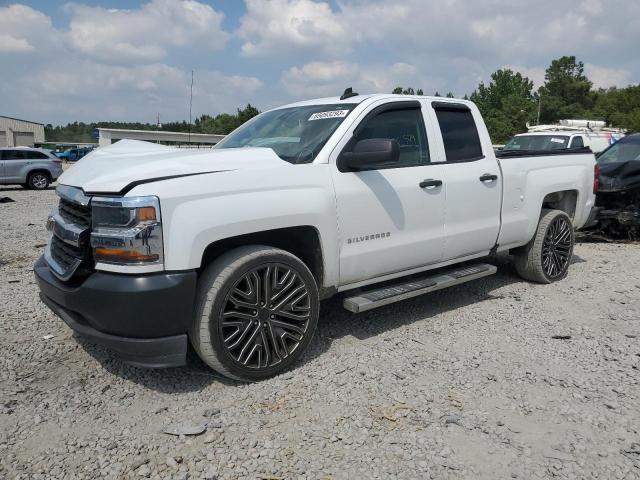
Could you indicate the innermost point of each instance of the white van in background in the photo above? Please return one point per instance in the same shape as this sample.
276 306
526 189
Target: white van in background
567 134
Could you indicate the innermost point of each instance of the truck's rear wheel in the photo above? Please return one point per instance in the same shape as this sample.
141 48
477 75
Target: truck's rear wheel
256 312
546 258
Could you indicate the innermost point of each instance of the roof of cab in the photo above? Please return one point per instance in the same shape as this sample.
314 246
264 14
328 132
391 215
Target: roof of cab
378 96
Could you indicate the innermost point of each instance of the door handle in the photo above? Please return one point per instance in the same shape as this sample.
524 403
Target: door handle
430 182
488 177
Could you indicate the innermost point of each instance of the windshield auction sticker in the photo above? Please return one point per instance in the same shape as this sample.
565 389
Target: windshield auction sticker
331 114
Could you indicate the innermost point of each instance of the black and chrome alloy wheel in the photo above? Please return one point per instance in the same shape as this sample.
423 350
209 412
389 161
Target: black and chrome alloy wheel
557 248
265 316
256 312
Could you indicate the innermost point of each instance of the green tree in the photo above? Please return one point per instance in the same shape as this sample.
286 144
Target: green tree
566 92
407 91
506 104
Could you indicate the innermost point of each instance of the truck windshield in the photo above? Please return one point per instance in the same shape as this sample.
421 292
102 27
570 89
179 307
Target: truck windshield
623 150
537 142
295 134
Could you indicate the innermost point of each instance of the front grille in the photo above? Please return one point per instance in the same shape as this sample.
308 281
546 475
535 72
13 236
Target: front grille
64 254
68 258
75 213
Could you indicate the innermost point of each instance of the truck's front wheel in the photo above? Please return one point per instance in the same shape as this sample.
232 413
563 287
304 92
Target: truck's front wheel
547 256
256 312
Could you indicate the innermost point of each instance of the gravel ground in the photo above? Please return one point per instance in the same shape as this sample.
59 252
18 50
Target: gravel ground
464 383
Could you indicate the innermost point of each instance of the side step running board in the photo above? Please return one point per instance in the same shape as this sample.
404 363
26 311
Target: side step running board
384 296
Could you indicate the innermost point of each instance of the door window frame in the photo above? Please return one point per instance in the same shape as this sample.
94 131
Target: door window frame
457 107
377 110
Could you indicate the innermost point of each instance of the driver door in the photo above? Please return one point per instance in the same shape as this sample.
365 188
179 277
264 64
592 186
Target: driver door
392 219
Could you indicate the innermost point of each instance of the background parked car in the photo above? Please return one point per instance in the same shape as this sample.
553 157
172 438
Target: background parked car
74 154
567 134
33 168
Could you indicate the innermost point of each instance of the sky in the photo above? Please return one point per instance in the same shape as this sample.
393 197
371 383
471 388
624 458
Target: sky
124 60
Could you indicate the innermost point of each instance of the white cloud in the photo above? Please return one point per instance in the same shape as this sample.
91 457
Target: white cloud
145 33
129 93
331 78
282 25
16 45
603 77
454 43
535 74
25 30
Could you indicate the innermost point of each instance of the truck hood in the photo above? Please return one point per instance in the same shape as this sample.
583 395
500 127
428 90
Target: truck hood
118 167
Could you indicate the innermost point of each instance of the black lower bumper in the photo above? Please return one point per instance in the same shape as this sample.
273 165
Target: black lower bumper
143 319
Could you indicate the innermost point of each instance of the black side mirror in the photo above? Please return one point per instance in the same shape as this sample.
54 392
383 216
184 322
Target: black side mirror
371 154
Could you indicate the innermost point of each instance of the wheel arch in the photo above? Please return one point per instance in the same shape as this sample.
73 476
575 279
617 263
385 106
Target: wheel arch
303 241
565 200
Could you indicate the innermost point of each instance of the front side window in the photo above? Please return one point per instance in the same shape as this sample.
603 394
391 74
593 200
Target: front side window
459 134
405 127
295 134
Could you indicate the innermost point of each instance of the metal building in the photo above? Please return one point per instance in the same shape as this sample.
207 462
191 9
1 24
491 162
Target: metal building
20 133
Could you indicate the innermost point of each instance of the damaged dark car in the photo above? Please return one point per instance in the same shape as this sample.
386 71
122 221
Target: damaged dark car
618 197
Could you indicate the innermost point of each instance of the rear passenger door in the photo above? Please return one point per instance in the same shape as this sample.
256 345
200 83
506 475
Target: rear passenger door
473 182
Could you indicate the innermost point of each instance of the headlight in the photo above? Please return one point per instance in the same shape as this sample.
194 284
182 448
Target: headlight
126 231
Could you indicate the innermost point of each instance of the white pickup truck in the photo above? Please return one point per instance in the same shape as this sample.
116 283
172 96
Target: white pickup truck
376 197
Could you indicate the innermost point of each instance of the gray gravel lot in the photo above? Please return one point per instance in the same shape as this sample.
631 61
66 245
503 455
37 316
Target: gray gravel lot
463 383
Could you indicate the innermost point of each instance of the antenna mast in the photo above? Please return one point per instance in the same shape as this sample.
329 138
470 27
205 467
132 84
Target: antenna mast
190 105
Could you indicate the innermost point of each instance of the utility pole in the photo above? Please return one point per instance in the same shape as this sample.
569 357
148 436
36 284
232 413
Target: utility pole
539 105
190 105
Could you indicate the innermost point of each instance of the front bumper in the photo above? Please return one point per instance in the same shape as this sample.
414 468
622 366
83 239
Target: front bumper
142 318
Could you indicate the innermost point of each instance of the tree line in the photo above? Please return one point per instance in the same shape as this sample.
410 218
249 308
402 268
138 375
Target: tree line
508 102
223 123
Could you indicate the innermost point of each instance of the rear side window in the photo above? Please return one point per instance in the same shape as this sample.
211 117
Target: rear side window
23 155
577 142
459 133
14 155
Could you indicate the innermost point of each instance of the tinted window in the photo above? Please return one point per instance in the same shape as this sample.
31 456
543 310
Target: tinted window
459 133
577 142
405 127
22 155
14 155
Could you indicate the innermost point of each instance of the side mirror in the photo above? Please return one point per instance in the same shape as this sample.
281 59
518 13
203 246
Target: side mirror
371 154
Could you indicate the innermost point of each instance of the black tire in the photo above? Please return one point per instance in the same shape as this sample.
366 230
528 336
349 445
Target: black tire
546 258
232 317
38 181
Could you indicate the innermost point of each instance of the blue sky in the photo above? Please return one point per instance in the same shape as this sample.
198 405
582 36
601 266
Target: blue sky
122 60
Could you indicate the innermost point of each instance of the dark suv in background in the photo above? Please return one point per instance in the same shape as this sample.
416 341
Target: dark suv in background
33 168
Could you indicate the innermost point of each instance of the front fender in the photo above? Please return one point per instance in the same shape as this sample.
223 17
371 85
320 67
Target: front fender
199 210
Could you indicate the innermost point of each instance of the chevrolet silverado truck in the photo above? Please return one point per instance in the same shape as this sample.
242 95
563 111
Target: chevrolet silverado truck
377 198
